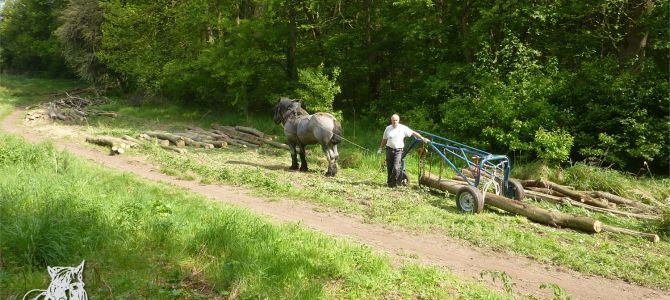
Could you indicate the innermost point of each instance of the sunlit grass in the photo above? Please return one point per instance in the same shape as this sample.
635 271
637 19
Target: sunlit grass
146 240
360 189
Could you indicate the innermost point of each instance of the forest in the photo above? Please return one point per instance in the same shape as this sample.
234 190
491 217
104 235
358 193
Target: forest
558 81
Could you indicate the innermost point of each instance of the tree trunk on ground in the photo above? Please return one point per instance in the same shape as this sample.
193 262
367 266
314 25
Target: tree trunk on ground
581 197
536 214
648 236
568 201
623 201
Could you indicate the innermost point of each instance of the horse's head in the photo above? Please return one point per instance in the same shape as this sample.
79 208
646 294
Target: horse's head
286 105
66 281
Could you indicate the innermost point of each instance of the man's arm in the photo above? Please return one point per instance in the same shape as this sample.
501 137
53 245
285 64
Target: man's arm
381 146
419 136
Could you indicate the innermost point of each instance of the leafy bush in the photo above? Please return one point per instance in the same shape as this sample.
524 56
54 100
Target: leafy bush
552 146
318 89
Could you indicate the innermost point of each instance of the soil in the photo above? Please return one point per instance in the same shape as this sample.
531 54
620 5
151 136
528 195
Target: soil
462 259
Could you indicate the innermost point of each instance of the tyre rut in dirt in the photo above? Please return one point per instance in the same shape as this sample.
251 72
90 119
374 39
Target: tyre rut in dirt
515 190
469 199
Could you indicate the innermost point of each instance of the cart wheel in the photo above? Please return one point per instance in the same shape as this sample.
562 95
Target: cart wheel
469 200
515 190
404 179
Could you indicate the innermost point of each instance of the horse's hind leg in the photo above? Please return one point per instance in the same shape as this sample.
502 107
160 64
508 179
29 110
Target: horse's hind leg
294 156
303 160
336 155
331 155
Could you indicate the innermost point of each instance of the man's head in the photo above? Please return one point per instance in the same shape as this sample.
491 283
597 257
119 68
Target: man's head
395 120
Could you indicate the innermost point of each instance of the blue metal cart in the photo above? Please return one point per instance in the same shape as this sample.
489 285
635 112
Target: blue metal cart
488 172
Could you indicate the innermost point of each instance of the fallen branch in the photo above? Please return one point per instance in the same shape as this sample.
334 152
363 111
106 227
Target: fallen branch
576 195
648 236
623 201
568 201
175 149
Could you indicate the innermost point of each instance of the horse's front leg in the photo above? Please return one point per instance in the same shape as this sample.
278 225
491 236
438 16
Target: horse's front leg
294 156
331 156
303 160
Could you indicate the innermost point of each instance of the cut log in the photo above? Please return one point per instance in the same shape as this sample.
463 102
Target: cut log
546 191
253 131
648 236
131 139
175 149
174 139
623 201
240 136
113 143
217 144
245 143
552 218
277 144
576 195
569 201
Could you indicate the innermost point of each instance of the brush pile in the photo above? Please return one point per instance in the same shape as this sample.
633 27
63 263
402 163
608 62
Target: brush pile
70 107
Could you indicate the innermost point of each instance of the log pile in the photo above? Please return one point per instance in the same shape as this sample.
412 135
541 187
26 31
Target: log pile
217 137
554 193
196 137
591 200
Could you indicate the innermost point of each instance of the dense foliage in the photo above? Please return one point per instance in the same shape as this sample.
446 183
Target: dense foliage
535 79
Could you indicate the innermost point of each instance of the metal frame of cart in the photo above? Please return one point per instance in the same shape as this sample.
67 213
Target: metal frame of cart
488 171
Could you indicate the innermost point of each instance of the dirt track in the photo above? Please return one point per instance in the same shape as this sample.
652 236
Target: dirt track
460 258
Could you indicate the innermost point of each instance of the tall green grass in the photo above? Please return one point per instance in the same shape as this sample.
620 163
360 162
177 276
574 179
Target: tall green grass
360 189
144 240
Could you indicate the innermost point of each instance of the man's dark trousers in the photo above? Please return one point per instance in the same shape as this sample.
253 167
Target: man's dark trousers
393 161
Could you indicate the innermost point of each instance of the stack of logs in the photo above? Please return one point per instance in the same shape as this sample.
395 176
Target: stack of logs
548 191
216 137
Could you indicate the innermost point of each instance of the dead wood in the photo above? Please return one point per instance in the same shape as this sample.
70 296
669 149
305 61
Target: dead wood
174 139
546 191
569 201
540 215
253 131
648 236
277 144
623 201
131 139
115 145
576 195
240 136
175 149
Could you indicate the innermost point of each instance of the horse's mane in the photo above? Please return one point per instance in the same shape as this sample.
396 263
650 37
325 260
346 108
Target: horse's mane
293 110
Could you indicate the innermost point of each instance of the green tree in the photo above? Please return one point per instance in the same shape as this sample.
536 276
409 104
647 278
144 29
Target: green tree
28 44
81 36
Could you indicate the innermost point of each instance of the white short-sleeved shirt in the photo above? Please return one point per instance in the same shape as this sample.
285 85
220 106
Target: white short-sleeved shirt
395 137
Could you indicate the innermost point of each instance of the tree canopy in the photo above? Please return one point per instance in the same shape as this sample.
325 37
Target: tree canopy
536 79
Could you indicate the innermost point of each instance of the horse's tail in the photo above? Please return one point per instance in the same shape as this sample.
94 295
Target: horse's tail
337 133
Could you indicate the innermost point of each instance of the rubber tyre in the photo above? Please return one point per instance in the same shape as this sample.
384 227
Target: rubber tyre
469 200
515 190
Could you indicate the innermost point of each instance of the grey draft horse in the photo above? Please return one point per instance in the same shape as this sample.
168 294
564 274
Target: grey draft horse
303 129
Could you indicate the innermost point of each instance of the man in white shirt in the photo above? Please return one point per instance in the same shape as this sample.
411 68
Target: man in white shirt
394 140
